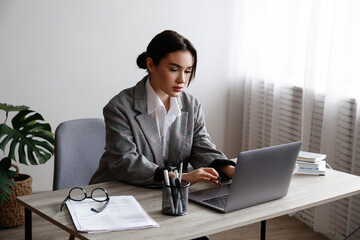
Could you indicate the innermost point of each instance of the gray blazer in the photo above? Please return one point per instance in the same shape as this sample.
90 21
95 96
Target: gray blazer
133 147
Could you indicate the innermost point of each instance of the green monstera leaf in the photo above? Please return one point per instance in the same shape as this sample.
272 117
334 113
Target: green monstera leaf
27 138
11 108
5 181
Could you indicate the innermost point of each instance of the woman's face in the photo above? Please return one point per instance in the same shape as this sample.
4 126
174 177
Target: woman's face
171 75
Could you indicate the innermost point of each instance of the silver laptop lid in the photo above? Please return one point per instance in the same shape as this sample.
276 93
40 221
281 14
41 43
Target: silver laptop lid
262 175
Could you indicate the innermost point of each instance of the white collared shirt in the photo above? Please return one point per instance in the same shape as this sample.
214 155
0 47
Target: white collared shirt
163 119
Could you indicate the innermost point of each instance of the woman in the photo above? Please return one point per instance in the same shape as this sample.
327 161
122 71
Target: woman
155 125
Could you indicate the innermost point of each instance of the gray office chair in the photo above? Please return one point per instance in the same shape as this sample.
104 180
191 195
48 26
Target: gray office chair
79 145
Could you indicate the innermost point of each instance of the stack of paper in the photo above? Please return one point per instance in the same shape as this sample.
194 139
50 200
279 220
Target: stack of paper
311 163
310 157
122 212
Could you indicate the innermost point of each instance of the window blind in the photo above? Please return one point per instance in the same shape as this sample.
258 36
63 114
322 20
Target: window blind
273 118
345 213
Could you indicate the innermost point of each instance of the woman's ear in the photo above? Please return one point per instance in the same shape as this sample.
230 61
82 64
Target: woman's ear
150 64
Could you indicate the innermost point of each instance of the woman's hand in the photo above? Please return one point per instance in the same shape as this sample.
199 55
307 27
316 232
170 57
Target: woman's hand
202 174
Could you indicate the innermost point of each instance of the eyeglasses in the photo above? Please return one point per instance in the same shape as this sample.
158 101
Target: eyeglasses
79 194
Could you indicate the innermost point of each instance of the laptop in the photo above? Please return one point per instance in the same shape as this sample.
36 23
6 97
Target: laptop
261 175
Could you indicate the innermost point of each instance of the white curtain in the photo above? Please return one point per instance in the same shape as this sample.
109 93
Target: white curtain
296 76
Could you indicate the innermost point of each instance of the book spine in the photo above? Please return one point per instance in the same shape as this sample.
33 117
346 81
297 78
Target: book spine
319 173
309 168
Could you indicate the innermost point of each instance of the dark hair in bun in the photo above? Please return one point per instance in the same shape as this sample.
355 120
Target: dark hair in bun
141 60
164 43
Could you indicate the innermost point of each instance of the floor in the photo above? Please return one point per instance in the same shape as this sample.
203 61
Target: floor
280 228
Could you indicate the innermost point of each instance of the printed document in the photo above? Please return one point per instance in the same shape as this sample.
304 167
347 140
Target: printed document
122 212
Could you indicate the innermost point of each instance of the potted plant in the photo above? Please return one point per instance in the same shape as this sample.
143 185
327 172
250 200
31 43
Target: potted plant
28 140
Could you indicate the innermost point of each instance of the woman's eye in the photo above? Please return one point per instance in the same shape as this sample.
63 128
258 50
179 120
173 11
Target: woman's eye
173 69
188 72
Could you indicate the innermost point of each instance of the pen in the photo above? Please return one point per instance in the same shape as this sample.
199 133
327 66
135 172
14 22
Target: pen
168 187
178 206
179 178
180 169
174 192
176 173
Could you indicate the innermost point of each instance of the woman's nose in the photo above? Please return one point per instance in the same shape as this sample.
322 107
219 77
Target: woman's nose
181 78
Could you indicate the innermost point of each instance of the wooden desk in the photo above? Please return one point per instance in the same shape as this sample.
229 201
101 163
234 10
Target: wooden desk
305 192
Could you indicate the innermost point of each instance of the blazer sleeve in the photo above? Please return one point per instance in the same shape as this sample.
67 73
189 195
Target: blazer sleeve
121 155
203 151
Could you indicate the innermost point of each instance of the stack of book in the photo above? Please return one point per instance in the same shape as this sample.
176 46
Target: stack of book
311 163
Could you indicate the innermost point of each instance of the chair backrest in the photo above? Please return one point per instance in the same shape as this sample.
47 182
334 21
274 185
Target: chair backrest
79 145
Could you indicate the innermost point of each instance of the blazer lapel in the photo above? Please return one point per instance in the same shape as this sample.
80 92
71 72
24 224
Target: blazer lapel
152 136
147 123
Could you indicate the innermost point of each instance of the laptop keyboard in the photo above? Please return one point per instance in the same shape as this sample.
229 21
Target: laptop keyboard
217 201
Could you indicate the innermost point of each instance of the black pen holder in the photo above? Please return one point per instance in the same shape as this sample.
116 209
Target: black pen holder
175 199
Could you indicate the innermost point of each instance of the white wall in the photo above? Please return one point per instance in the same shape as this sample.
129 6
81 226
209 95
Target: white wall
66 59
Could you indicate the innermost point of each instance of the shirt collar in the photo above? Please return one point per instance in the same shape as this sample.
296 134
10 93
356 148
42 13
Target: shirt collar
153 101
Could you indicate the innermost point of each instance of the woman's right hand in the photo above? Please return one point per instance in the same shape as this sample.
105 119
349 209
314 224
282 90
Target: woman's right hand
202 174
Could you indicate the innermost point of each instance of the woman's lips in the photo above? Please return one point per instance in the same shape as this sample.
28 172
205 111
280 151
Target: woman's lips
177 89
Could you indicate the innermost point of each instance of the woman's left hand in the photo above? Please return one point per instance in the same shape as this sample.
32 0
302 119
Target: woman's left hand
202 174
